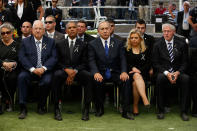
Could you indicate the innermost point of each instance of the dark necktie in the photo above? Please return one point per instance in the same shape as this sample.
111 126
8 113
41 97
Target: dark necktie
81 38
54 11
71 49
39 63
107 72
170 50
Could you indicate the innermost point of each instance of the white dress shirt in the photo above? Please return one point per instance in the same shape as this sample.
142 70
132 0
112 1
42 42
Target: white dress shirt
69 41
20 10
51 35
103 42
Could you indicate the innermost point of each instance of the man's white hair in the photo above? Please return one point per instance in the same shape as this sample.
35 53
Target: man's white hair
168 25
38 21
186 2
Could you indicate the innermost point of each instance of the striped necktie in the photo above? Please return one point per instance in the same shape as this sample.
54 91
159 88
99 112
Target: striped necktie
170 50
39 63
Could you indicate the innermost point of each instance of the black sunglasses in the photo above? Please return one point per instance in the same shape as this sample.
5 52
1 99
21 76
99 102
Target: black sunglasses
7 32
50 22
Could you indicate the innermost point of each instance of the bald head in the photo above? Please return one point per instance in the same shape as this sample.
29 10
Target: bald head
26 28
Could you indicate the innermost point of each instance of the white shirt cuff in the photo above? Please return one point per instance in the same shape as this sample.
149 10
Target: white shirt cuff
44 68
166 72
31 69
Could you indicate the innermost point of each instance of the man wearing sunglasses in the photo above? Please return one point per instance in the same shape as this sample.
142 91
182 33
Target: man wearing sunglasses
50 29
56 12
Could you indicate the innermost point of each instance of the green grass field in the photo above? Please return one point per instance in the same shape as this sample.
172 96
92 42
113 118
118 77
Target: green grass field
111 121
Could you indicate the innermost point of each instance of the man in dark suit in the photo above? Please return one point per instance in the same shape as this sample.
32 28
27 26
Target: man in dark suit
148 39
50 29
56 12
72 60
183 27
193 73
170 58
81 29
113 35
37 57
107 62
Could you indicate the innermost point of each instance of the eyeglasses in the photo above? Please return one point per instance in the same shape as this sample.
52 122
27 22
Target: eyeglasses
48 22
54 1
7 32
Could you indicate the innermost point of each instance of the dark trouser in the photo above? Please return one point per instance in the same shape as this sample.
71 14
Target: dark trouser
125 90
83 77
24 80
182 82
194 93
8 85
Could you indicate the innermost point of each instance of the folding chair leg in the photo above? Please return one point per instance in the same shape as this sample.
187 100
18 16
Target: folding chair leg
117 100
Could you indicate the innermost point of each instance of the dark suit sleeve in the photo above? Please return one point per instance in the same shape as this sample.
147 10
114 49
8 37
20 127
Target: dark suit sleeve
92 59
123 58
47 12
23 57
156 59
52 58
59 13
184 61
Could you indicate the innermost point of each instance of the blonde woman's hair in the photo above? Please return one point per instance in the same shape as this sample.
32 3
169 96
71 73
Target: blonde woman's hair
128 43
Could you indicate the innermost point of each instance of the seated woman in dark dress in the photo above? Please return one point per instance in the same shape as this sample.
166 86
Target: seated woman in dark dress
8 63
138 62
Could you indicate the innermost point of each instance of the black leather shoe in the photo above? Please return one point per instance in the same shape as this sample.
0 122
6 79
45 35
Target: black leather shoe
42 110
23 114
99 113
127 116
194 114
58 115
85 115
184 117
160 116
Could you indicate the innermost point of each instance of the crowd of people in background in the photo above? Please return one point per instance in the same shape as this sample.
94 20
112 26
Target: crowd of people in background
33 50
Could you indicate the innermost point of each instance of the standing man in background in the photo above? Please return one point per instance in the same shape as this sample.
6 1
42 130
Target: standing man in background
56 12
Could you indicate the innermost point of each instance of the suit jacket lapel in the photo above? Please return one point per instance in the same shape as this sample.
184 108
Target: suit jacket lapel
101 48
55 35
34 48
67 49
111 45
76 49
44 46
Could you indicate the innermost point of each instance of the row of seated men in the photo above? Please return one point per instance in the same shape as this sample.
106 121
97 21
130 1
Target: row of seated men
93 63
